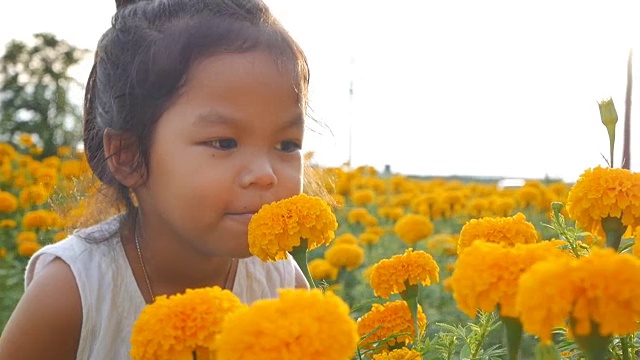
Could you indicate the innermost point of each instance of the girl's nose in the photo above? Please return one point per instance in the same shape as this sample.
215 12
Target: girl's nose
258 172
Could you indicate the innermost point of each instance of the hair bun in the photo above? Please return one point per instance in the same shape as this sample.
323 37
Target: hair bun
122 3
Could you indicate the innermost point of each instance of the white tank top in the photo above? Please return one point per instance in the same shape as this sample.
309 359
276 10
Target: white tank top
111 299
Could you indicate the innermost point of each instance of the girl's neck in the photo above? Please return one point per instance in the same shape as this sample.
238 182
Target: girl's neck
171 268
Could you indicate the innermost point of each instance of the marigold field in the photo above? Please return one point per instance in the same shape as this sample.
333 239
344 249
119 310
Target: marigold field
379 216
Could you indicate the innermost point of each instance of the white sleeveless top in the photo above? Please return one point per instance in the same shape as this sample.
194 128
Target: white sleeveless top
111 299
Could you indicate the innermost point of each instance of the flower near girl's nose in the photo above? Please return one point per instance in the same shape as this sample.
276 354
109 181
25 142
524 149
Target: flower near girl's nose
278 228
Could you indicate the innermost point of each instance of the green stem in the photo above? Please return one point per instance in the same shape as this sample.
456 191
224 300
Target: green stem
299 254
614 229
624 343
594 345
410 296
513 329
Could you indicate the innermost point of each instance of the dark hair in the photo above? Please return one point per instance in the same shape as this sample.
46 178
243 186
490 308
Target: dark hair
142 62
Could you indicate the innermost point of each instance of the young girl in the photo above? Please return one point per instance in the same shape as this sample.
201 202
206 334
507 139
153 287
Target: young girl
194 115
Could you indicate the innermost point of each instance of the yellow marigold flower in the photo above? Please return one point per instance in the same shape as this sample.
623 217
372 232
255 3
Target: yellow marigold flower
338 200
362 197
391 276
71 169
8 202
486 274
502 205
605 192
413 227
391 212
583 291
25 140
7 151
301 324
59 236
277 227
357 215
321 269
27 236
39 219
52 162
35 150
443 243
64 151
369 238
346 238
399 354
173 327
545 296
34 195
391 319
28 248
8 224
349 256
378 230
506 230
611 304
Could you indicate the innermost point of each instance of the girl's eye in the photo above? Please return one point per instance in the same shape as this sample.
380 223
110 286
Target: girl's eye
224 144
289 146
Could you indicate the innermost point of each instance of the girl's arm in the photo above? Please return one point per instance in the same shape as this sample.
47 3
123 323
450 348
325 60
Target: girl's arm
300 281
47 322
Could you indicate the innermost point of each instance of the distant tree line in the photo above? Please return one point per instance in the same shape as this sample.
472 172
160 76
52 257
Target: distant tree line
35 88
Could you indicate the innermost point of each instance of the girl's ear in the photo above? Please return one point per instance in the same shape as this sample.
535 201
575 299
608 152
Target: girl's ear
122 155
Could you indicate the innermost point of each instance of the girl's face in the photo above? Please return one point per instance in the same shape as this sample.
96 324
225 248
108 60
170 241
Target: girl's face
228 144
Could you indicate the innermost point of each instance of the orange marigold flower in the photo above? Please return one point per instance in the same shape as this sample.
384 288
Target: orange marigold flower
369 238
346 238
25 140
357 215
39 219
582 291
399 354
8 202
7 151
27 236
545 296
349 256
413 227
59 236
503 230
28 248
391 276
175 326
486 274
300 324
33 195
278 227
611 304
64 151
71 169
362 197
605 192
3 252
390 322
8 224
321 269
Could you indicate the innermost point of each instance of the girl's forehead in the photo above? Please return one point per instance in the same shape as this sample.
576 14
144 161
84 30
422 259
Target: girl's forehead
239 86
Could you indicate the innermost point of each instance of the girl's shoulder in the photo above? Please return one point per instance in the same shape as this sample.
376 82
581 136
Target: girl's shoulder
83 248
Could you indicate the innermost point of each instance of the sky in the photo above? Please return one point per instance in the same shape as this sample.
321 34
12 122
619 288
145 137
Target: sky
437 88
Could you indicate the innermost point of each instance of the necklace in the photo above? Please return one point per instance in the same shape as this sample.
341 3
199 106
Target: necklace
146 276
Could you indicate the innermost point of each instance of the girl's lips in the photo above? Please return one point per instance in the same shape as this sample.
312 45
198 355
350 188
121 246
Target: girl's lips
241 217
